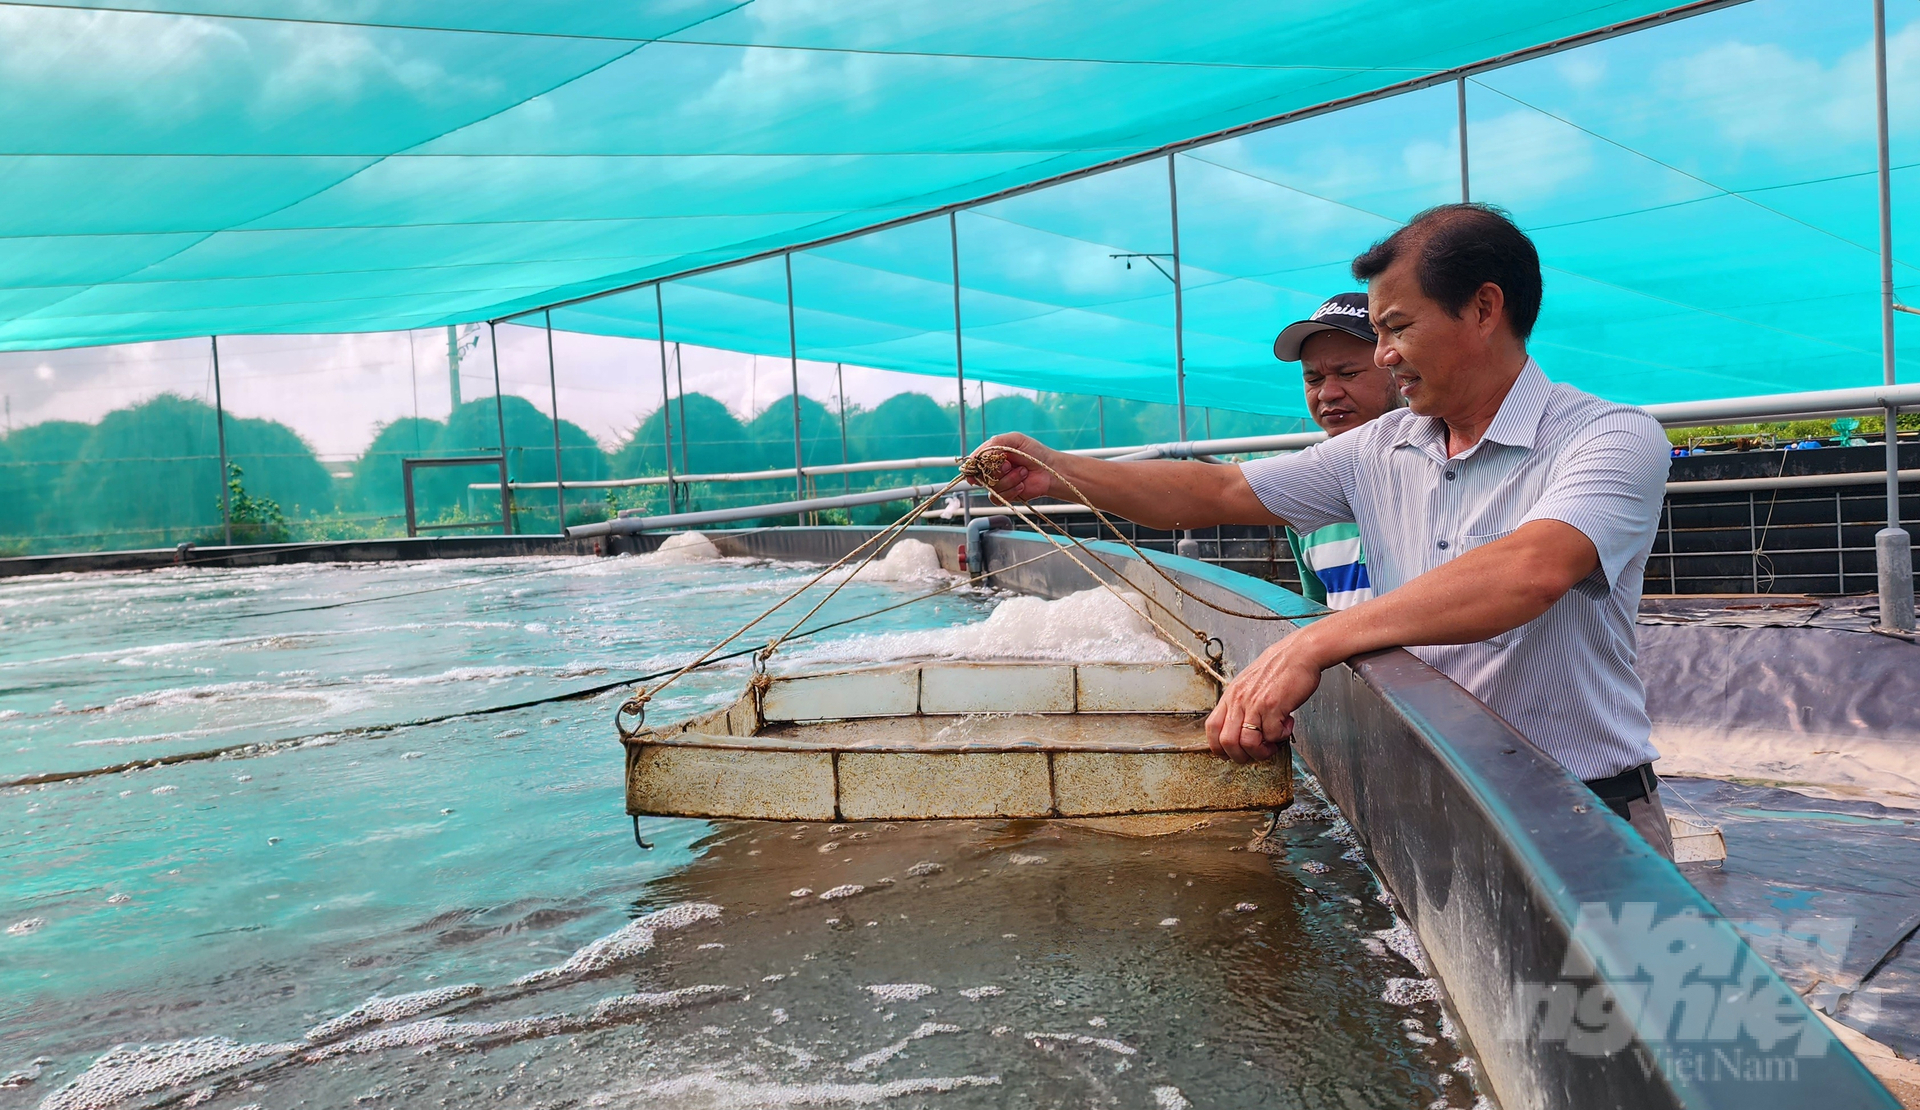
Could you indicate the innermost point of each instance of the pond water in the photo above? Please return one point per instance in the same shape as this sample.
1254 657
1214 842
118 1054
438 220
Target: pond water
343 912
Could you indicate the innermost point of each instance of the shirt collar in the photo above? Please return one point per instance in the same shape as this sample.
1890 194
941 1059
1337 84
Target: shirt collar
1515 425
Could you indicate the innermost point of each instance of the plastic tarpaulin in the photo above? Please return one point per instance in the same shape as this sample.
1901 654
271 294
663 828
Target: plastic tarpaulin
1702 191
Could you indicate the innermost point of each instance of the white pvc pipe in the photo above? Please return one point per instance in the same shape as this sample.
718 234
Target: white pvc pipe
629 524
1742 410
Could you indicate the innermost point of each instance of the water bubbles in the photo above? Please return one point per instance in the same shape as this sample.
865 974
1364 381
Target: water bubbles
508 734
845 890
1170 1098
975 994
411 755
900 992
1410 992
159 790
23 928
118 899
1021 861
924 868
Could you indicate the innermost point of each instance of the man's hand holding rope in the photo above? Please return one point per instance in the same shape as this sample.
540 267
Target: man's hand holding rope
1255 713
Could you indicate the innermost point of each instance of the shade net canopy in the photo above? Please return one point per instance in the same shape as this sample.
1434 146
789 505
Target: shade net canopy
1702 191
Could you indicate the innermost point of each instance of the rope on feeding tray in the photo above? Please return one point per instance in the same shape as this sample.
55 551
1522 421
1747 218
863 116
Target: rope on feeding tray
636 706
1000 468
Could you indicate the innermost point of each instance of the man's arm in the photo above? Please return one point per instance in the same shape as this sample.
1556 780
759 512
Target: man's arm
1158 493
1477 596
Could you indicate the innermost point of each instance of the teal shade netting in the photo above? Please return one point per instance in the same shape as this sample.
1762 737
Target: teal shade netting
1703 191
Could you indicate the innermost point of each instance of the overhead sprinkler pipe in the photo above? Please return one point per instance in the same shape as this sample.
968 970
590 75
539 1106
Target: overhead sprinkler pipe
1893 547
627 525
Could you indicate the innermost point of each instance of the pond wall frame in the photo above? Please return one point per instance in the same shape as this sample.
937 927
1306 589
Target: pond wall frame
1525 891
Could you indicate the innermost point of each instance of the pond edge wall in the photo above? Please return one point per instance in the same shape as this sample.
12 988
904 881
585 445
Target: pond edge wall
1491 850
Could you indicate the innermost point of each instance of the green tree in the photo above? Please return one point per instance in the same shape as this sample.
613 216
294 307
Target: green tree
149 474
376 475
713 441
474 429
37 458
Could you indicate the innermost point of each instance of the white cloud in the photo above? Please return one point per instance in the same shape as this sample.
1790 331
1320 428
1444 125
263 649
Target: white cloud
1766 95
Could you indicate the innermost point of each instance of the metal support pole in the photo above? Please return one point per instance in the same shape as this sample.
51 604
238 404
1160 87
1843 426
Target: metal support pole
500 420
1893 547
680 391
666 424
553 396
793 365
1460 86
220 432
840 385
959 356
1179 308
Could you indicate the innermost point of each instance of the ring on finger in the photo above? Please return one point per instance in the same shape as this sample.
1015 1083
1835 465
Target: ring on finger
1250 728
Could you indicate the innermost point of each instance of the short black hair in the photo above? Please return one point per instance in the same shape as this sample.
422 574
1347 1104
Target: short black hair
1458 248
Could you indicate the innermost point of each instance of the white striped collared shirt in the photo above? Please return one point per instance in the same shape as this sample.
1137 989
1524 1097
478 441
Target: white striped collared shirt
1566 678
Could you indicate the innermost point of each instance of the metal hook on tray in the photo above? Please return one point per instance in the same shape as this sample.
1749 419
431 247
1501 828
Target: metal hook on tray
636 834
1216 650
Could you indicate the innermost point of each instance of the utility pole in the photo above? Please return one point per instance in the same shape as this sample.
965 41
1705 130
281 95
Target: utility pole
453 366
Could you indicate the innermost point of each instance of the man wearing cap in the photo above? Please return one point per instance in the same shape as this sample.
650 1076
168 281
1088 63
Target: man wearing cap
1345 389
1507 518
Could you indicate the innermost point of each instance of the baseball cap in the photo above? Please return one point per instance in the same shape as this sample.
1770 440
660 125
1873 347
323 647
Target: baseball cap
1345 312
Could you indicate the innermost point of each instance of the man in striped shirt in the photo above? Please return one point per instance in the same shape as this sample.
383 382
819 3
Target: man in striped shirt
1345 389
1507 518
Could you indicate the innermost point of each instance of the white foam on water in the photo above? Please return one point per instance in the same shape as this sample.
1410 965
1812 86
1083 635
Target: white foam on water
1020 860
623 1006
1410 992
128 1071
1402 940
682 548
377 1009
900 992
924 868
624 943
1170 1098
975 994
845 890
434 1032
908 561
1107 1043
1089 626
880 1056
719 1093
30 925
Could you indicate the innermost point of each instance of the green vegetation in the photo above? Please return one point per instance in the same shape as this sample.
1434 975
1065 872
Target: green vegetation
1870 428
147 476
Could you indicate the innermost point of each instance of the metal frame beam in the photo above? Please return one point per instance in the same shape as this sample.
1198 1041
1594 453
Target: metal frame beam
1414 84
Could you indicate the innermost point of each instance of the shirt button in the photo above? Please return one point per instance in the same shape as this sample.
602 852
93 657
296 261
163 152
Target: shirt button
1449 475
1443 545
